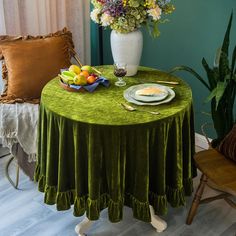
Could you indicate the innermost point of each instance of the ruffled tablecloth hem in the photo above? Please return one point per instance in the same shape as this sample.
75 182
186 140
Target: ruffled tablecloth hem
93 207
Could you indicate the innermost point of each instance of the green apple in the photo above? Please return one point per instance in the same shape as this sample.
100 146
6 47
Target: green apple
87 68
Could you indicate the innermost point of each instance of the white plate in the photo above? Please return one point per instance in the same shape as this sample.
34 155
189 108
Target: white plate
128 93
142 98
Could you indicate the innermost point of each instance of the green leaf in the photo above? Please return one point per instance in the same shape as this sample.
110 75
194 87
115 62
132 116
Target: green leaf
233 61
212 76
193 72
224 64
217 57
152 28
211 95
220 89
155 31
134 3
217 92
225 46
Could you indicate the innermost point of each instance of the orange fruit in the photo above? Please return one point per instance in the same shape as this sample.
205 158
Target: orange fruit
91 79
84 73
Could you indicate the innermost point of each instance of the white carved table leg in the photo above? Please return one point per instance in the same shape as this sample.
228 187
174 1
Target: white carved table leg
159 224
83 226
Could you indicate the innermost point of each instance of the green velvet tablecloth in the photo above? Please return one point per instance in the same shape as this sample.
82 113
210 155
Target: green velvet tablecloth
94 154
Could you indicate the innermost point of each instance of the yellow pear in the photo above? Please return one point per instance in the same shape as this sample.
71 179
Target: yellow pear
74 68
80 80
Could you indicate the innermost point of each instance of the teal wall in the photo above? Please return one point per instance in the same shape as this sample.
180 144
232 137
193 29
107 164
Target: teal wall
195 30
95 51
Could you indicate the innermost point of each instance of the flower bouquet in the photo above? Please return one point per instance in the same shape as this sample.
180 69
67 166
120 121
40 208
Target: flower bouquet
126 16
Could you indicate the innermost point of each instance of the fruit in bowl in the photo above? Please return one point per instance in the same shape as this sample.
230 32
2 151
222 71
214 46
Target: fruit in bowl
91 79
75 75
85 73
80 80
87 68
74 68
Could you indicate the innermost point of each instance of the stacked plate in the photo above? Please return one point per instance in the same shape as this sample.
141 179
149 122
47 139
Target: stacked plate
149 94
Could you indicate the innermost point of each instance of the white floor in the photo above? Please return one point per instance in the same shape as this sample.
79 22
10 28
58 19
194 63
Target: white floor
23 213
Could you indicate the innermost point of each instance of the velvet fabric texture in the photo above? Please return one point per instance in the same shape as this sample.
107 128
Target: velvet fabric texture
30 62
94 154
227 146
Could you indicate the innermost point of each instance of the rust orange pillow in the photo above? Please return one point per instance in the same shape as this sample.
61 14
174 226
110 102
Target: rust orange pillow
30 62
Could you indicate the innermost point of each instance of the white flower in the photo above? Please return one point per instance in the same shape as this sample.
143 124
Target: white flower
106 19
155 13
94 15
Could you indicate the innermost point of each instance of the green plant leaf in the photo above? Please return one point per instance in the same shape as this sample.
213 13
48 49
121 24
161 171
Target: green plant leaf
225 46
233 62
224 64
217 92
134 3
152 28
155 31
193 72
220 89
217 57
212 76
211 95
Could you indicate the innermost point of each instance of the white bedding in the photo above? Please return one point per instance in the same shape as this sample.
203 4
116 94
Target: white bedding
18 124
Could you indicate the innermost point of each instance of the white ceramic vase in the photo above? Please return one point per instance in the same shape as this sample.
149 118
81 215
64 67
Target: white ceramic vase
127 48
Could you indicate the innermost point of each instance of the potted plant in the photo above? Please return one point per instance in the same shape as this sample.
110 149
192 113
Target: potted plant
221 85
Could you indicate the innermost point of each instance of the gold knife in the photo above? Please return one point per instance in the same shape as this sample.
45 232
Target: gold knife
167 82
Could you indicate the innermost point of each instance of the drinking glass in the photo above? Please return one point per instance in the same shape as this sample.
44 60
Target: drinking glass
120 71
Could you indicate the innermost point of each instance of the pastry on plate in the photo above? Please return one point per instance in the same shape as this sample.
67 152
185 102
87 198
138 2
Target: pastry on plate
151 91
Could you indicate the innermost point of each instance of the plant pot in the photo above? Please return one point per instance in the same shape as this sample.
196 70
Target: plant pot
127 48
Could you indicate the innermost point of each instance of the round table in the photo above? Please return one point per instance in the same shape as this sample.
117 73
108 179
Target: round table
94 154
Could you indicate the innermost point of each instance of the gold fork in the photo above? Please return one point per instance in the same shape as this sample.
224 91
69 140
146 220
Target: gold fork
130 108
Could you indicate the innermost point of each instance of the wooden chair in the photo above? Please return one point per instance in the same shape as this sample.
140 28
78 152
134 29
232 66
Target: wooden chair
220 172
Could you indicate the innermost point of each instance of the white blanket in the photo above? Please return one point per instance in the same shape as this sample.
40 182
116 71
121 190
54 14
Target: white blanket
18 124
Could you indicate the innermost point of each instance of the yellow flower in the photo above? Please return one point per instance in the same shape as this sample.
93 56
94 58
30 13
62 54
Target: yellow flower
150 3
